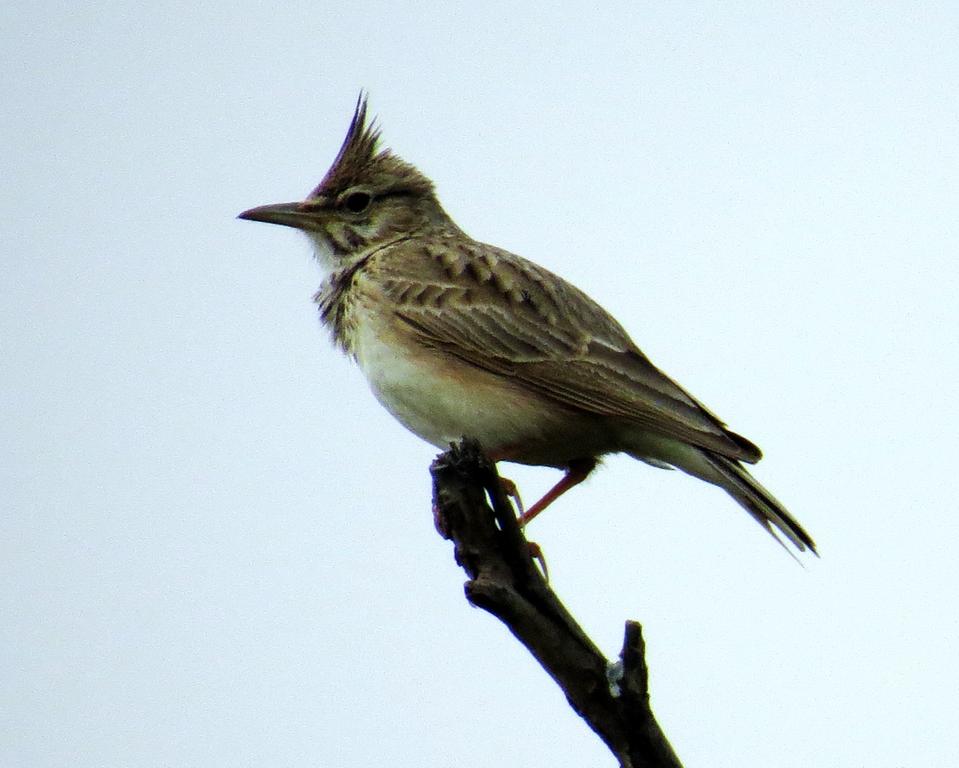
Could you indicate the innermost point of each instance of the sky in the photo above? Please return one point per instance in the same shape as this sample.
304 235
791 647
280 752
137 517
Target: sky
217 548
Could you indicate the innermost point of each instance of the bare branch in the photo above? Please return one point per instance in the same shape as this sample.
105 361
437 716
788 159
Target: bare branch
504 580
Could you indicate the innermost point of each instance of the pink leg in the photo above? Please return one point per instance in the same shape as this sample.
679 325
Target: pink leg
577 472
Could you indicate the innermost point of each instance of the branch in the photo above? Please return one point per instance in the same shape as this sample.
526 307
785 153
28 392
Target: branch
489 545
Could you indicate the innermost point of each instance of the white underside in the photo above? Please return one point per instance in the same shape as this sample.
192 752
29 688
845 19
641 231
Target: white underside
432 406
442 400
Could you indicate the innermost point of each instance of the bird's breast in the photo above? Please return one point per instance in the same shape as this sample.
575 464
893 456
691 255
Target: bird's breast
441 399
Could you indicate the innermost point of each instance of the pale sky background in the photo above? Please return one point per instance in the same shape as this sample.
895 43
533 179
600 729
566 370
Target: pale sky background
218 550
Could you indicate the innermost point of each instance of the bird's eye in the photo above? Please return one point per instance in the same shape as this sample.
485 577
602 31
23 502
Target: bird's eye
357 202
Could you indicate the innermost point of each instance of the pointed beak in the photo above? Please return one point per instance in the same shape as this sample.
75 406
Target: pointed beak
295 215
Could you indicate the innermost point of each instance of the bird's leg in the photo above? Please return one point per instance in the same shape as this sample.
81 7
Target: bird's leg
577 471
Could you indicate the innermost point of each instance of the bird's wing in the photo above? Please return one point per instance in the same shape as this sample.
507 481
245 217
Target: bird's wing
506 315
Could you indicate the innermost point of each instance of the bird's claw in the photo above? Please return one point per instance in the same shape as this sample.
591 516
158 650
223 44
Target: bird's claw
536 554
510 489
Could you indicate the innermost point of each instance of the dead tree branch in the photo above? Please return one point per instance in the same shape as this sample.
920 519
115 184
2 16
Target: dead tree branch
503 580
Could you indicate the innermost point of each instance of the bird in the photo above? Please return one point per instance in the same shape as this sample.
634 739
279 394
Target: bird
459 338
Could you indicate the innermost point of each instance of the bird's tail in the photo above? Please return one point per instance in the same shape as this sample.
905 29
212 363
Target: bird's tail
756 500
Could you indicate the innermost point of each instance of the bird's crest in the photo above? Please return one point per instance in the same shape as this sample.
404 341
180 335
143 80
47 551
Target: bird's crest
359 161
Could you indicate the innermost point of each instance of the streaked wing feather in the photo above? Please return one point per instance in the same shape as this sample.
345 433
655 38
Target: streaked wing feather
588 376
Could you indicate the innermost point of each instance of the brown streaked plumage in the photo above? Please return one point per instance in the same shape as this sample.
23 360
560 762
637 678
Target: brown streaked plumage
457 337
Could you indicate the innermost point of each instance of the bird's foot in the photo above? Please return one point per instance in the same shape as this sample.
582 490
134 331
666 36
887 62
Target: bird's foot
510 489
536 554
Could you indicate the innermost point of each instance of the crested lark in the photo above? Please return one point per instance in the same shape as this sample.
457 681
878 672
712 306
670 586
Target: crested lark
457 337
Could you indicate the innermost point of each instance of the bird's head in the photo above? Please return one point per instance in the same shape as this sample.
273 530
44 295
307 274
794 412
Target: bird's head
368 199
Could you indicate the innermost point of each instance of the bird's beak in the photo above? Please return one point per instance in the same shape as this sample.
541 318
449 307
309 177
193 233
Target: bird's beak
296 215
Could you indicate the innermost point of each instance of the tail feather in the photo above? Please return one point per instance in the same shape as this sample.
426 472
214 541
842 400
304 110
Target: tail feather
758 502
